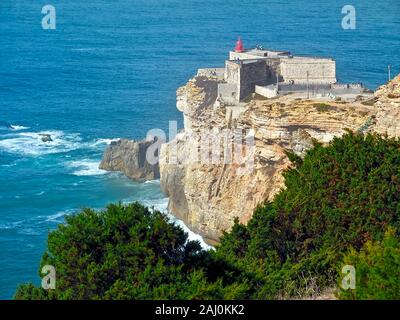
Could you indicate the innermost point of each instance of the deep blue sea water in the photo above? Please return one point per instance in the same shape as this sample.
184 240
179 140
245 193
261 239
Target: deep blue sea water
111 69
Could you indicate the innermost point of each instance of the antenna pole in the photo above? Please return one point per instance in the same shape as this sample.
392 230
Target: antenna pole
277 81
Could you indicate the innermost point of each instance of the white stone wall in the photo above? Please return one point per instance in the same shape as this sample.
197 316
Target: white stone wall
228 92
232 72
267 91
319 70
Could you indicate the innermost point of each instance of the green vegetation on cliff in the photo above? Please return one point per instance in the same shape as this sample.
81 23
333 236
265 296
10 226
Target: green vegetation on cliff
337 198
378 269
340 207
125 252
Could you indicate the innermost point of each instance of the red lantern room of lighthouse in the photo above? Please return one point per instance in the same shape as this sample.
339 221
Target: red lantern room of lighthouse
239 46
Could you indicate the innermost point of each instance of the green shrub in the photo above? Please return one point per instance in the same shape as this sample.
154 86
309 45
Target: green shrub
337 197
127 252
377 268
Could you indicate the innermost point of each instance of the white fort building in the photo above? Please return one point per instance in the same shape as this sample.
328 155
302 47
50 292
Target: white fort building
271 73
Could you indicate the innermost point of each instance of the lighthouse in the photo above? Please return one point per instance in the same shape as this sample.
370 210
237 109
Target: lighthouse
239 46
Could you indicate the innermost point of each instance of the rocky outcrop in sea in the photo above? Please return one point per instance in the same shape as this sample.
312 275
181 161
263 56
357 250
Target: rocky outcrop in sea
129 157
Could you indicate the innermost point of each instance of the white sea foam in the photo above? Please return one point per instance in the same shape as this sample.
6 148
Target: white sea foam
192 236
152 182
104 141
22 142
99 144
18 128
31 144
162 206
56 217
28 226
86 167
157 204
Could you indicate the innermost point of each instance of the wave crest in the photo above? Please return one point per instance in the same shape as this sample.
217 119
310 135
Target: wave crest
86 167
31 144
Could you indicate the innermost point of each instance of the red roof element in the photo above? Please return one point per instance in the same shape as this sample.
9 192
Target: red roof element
239 46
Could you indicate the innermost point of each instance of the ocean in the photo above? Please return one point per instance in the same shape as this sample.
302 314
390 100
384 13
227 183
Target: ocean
110 69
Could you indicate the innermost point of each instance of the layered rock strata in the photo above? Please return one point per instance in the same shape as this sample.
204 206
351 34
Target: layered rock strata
208 195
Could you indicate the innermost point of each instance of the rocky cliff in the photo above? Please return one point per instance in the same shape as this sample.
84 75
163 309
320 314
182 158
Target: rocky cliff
208 195
129 157
387 102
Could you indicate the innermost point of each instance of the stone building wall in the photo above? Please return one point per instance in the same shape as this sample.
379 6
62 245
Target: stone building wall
252 73
320 70
251 70
270 91
245 74
232 74
228 93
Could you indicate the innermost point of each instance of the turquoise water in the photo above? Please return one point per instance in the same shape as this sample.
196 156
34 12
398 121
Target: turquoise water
111 69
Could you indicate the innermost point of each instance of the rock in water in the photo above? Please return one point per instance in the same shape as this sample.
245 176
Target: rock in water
129 157
45 137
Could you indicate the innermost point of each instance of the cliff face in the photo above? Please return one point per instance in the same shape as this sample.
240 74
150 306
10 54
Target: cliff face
387 103
208 196
129 157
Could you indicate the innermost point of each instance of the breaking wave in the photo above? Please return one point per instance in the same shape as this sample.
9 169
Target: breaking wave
162 206
18 128
58 217
101 142
155 182
86 167
4 125
31 143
